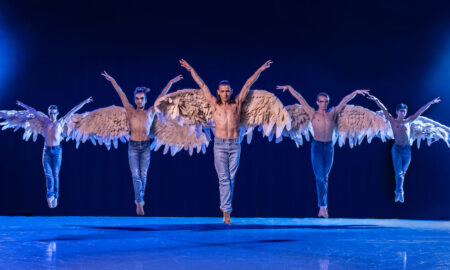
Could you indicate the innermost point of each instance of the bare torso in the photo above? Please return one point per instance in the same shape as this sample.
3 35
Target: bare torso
400 128
227 120
323 124
52 132
140 123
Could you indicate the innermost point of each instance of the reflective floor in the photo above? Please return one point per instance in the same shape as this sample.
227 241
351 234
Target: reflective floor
204 243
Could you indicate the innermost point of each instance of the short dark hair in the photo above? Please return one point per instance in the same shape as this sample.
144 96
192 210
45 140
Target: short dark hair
141 89
225 82
401 106
323 94
53 107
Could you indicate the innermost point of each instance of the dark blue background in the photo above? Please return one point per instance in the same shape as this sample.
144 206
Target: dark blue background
399 50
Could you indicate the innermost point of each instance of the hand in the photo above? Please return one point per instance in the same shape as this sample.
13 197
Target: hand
186 65
19 103
89 100
266 65
436 100
372 97
106 75
283 88
176 79
363 92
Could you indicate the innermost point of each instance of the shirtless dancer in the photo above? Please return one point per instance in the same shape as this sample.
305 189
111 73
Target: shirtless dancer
226 113
401 150
52 154
140 121
322 148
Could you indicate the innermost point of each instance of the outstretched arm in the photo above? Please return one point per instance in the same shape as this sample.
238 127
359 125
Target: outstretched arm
347 98
208 96
310 110
244 91
30 110
422 109
75 109
119 91
380 105
169 85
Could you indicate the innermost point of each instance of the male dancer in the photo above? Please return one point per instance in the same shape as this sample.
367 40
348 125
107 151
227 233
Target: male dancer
140 121
322 148
52 154
226 114
401 150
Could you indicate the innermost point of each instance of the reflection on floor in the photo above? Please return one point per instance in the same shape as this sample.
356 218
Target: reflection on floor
203 243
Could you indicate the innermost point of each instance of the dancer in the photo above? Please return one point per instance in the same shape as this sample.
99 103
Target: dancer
324 125
140 121
402 127
51 128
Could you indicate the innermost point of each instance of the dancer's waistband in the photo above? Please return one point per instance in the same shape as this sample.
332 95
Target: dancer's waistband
139 142
323 143
221 140
52 147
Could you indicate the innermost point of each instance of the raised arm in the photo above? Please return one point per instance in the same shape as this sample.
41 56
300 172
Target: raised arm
75 109
422 109
380 105
119 91
310 110
208 96
244 91
347 98
169 85
30 110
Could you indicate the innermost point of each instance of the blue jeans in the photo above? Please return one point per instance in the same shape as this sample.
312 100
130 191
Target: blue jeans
51 160
226 160
401 156
139 158
322 159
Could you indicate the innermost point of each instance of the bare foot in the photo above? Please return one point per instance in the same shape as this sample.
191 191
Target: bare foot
323 213
226 218
55 203
139 208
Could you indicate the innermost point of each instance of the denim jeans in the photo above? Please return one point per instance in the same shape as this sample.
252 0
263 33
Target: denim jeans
226 160
139 158
51 160
401 156
322 159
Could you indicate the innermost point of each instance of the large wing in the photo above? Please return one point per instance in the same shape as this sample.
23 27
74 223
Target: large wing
424 128
355 123
23 119
175 137
105 125
188 107
263 109
300 124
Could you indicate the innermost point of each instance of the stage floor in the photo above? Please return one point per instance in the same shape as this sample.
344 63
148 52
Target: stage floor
203 243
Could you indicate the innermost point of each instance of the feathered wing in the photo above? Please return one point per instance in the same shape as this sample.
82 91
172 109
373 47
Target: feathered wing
188 107
176 137
23 119
355 123
300 124
424 128
105 125
264 110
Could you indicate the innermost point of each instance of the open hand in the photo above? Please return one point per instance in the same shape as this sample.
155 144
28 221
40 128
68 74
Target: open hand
283 88
106 75
185 64
436 100
266 65
176 79
89 100
363 92
372 97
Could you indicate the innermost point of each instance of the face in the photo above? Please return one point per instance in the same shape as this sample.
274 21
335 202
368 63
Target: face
322 102
140 100
224 92
401 113
53 113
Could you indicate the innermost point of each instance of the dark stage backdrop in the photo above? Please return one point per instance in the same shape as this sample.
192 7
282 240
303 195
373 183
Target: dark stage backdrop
54 52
